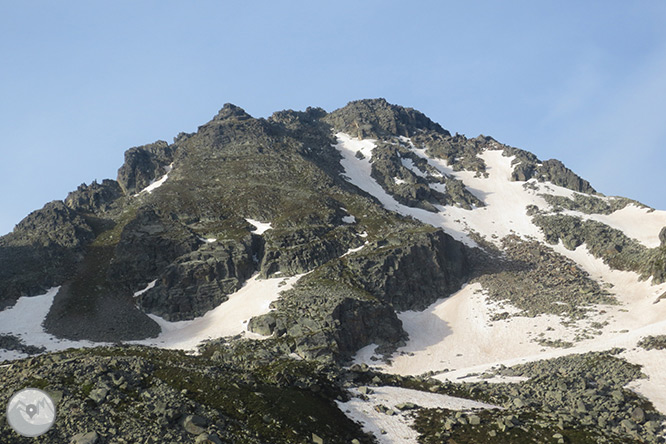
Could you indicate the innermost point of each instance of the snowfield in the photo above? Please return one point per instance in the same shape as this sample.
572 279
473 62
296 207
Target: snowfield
455 337
230 318
24 320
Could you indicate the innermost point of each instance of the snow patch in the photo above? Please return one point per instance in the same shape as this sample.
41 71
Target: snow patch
261 227
24 320
398 428
354 250
230 318
148 287
349 219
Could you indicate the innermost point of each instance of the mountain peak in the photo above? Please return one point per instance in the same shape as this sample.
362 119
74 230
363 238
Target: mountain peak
231 111
378 117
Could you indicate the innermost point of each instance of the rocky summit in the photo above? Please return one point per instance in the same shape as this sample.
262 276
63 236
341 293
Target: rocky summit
355 276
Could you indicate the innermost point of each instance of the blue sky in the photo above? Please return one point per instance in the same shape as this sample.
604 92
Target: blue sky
81 81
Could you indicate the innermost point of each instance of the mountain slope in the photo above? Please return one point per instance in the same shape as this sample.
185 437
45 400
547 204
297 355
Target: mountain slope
368 233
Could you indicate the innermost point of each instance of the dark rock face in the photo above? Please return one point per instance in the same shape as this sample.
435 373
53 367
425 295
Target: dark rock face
300 250
199 281
42 251
413 274
662 237
147 245
329 322
528 166
53 225
522 172
351 302
458 151
144 164
94 197
554 171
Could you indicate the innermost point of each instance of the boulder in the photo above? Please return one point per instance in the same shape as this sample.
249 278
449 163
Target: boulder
85 438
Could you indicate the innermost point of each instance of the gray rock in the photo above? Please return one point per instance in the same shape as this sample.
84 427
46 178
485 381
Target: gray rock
316 439
144 164
85 438
638 415
628 425
205 438
99 394
194 424
662 236
406 406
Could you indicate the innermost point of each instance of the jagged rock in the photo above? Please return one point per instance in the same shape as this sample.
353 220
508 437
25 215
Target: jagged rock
144 164
528 166
94 197
43 250
147 244
662 237
413 272
301 250
377 117
199 281
98 395
522 172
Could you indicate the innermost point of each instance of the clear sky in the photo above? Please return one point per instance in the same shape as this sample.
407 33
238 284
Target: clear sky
81 81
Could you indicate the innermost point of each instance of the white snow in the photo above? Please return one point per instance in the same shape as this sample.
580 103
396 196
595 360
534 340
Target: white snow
230 318
349 219
148 287
398 181
24 320
397 428
227 319
455 336
354 250
155 184
262 227
506 201
208 240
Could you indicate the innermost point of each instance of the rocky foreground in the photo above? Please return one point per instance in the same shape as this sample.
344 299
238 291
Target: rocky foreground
231 395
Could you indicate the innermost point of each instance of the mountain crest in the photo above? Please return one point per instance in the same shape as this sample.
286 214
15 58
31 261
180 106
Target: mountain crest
375 118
